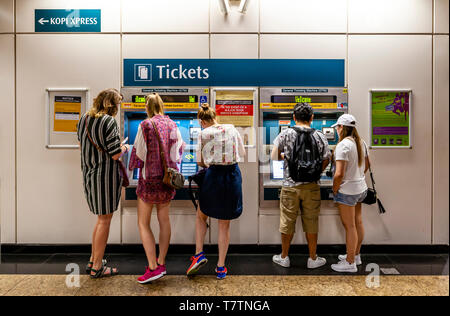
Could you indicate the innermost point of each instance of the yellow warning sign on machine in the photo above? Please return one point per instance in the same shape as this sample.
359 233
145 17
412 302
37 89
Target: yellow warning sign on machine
290 106
168 105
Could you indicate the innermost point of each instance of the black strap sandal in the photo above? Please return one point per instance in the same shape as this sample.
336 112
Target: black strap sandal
102 272
90 264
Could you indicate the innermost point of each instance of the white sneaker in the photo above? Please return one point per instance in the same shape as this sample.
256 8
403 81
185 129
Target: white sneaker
358 260
314 264
344 266
284 262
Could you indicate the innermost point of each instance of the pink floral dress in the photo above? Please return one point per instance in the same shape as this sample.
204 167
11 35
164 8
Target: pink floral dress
151 189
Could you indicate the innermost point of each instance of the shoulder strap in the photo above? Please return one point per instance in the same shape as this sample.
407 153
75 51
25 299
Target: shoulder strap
89 136
370 167
161 149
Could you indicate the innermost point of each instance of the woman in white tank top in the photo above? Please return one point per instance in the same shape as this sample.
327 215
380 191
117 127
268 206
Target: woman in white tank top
350 189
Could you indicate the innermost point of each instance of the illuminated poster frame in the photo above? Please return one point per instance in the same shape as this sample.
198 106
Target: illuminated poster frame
392 132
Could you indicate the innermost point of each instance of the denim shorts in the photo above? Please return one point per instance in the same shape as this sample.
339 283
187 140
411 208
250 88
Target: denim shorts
350 200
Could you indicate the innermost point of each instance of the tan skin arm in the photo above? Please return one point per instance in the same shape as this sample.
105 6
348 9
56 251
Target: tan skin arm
339 175
124 149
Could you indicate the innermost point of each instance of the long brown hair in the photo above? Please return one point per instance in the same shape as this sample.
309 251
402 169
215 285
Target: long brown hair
154 105
206 113
349 131
107 102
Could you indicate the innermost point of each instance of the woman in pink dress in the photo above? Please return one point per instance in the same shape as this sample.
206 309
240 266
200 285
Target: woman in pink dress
151 191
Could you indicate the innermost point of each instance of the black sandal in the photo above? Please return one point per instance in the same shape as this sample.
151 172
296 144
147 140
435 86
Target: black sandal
90 264
101 273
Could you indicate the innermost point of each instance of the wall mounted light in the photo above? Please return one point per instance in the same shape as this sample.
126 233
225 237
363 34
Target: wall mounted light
224 6
244 5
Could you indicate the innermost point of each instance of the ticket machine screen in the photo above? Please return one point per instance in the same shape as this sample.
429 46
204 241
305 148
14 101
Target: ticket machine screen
277 170
189 128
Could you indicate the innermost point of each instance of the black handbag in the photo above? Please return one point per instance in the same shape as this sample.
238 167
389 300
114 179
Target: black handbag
372 196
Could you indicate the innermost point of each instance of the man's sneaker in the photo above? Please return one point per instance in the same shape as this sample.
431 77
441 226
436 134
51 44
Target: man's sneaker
358 260
198 261
344 266
284 262
150 275
314 264
221 273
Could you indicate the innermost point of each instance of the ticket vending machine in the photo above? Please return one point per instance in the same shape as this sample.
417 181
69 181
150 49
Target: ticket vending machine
276 114
238 106
181 105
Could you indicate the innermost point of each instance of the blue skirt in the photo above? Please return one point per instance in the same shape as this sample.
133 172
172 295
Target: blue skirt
220 195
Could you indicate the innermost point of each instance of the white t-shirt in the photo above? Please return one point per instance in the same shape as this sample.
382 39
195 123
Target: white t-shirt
354 181
220 145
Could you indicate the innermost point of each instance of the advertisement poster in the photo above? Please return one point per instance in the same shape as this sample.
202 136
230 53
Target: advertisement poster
390 119
67 113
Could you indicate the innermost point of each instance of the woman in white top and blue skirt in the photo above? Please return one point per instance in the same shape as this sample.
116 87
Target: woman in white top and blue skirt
350 189
220 148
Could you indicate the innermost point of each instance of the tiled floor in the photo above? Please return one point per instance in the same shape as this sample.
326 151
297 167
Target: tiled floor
249 275
46 285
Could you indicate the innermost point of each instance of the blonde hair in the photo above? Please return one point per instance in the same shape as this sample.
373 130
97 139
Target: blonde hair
349 131
107 102
154 105
206 113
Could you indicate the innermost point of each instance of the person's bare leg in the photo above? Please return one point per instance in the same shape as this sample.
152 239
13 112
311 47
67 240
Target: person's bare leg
312 245
224 241
164 231
148 240
93 242
359 227
286 240
101 239
348 220
200 231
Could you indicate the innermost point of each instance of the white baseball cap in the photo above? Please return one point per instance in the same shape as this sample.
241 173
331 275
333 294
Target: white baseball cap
346 120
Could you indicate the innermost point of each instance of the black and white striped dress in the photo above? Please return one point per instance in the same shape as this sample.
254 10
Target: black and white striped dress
101 178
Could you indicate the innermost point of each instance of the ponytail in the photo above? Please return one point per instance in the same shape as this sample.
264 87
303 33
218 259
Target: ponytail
349 131
206 113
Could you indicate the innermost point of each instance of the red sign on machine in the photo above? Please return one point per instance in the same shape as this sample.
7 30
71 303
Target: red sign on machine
234 108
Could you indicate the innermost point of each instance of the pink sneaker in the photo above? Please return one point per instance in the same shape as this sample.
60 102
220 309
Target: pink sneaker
150 275
162 267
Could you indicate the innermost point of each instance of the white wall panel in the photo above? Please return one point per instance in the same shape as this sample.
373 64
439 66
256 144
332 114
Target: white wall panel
7 141
235 21
110 12
6 16
403 175
441 8
304 16
234 46
390 16
165 46
51 204
165 16
441 140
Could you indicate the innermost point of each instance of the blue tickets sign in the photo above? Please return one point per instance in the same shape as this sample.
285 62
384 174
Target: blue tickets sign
71 20
234 72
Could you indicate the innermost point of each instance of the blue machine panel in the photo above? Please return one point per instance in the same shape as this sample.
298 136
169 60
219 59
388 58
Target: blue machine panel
272 127
188 125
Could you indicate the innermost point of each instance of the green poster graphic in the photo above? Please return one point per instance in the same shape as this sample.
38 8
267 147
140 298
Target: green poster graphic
390 119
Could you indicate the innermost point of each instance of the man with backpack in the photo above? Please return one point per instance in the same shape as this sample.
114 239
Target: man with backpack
306 154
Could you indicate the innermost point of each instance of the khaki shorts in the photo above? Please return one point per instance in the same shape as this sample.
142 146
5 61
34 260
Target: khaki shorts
304 198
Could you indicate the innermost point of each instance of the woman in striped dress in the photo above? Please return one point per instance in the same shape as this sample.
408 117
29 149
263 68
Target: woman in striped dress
100 145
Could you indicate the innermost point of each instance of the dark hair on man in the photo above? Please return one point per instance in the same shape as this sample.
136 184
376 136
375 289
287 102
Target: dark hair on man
303 112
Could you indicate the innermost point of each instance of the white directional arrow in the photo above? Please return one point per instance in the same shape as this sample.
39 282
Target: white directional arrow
42 21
